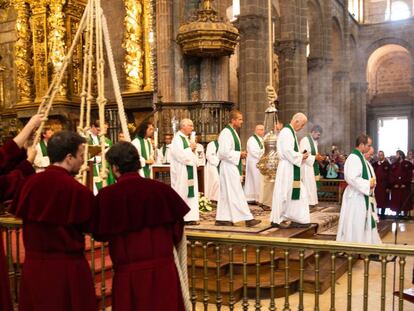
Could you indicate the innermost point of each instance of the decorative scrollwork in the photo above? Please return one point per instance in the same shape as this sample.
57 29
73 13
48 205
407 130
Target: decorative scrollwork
133 44
23 52
56 38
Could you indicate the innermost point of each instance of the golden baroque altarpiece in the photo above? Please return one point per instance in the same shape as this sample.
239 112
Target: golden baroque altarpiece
44 30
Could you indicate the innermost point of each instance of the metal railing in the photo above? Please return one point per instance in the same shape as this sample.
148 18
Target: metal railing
256 270
96 253
262 267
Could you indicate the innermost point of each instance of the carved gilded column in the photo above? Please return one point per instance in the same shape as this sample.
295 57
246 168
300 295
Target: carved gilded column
73 11
133 45
23 52
2 99
149 45
40 48
56 40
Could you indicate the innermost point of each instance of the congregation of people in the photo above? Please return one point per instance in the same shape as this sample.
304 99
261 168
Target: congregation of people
143 219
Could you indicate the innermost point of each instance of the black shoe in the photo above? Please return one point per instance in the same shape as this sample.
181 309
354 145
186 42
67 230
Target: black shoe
282 225
191 223
252 222
266 208
299 225
223 223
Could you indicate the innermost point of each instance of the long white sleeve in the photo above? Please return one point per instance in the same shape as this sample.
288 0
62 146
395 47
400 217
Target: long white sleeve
353 174
211 154
286 145
184 156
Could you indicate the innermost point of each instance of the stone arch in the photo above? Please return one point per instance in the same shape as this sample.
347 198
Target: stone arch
389 74
337 46
315 29
385 41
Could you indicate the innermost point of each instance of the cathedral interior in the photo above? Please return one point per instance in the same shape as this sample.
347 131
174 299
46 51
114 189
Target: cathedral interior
344 63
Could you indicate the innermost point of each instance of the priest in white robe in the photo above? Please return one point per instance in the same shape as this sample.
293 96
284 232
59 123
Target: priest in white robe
143 143
310 168
290 198
42 160
183 170
358 219
163 154
232 204
211 172
255 150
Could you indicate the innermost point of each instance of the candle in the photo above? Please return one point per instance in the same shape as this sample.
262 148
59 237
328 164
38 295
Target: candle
193 137
156 138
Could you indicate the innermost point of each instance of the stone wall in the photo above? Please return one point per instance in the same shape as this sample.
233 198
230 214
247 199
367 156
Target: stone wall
393 74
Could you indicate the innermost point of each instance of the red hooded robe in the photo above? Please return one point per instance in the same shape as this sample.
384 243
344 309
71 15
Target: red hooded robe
56 211
142 219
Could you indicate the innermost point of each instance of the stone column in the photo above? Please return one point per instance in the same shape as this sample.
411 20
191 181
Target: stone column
207 90
253 63
214 79
291 48
23 53
346 107
339 117
165 49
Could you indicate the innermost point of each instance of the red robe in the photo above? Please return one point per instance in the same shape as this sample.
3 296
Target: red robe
13 169
10 156
142 219
400 184
56 210
382 171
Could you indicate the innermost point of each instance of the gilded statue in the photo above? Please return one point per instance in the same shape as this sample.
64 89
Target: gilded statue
134 44
23 52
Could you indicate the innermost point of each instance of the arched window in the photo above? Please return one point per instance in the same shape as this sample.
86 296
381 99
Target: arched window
399 10
355 8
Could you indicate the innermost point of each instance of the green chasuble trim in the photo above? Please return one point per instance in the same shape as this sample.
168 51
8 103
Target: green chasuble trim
365 176
190 172
236 146
296 169
315 164
146 168
258 141
43 147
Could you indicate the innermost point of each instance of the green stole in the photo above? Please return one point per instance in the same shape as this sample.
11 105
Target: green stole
146 168
164 149
236 146
95 166
111 178
366 177
296 169
258 141
43 147
190 171
217 145
315 164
